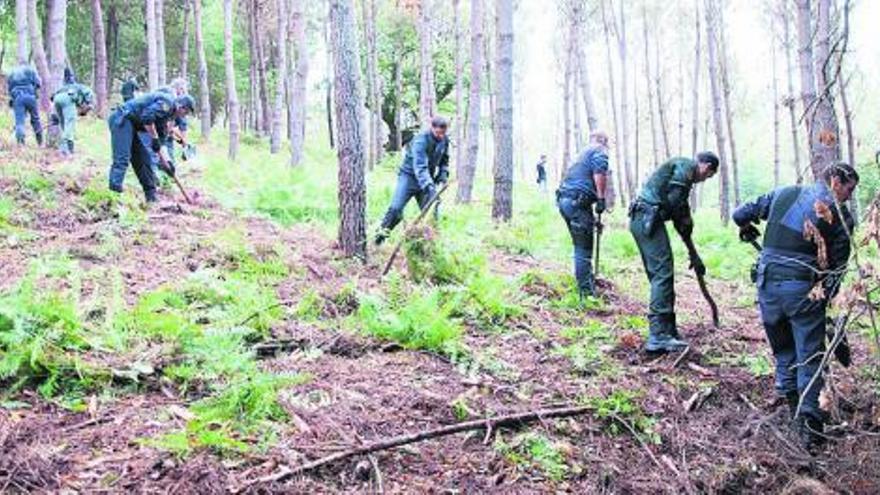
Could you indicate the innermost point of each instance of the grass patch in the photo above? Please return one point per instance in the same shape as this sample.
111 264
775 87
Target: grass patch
535 451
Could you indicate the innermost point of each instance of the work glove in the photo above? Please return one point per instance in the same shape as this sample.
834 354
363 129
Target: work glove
600 206
685 226
168 168
749 233
430 192
697 265
155 145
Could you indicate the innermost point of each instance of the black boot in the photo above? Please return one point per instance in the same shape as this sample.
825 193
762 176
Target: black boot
810 432
39 138
792 399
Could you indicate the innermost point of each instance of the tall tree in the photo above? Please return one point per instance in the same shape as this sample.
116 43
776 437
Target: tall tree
712 45
298 100
468 168
204 89
56 12
368 9
774 85
184 42
583 75
99 45
281 14
566 105
612 93
820 119
655 141
790 100
459 84
231 93
350 147
661 102
262 69
624 100
161 55
21 30
695 96
255 113
39 53
427 92
577 140
724 66
502 203
152 44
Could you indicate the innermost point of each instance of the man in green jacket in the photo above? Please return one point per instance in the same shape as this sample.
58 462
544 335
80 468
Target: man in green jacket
70 101
665 197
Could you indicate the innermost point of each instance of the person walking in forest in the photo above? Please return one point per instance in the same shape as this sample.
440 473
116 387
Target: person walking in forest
70 101
22 85
425 168
804 258
542 173
665 197
583 187
135 128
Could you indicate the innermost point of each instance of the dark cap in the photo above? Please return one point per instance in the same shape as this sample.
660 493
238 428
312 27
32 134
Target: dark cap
709 158
187 102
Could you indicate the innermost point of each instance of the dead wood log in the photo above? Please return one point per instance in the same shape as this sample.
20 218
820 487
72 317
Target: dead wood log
510 420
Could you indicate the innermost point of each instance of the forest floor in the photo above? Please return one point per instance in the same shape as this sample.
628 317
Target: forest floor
197 349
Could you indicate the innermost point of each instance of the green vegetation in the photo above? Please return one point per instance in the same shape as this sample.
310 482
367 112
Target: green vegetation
621 405
535 451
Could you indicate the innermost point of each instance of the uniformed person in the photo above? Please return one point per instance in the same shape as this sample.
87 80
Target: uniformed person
22 85
129 89
144 114
583 189
425 167
796 282
70 101
665 197
541 169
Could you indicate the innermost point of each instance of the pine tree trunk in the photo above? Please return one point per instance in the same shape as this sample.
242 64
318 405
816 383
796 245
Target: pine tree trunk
502 203
728 112
204 89
152 45
352 187
231 93
695 97
368 9
775 88
612 93
397 145
655 141
39 53
577 137
427 92
280 71
112 44
661 103
184 43
459 86
328 86
624 102
299 100
711 41
56 12
99 44
256 110
160 42
21 30
583 75
566 110
790 99
475 103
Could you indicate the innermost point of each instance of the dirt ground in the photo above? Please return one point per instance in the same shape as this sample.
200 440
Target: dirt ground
720 427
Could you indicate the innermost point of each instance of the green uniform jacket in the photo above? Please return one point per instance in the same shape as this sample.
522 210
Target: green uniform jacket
669 188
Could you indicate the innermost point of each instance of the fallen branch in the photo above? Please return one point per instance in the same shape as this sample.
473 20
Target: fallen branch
516 419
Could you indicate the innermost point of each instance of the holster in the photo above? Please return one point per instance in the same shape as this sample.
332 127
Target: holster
648 215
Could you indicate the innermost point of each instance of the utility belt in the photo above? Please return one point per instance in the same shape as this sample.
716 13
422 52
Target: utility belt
647 213
775 272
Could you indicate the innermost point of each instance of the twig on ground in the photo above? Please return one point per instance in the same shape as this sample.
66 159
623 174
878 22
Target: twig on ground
379 488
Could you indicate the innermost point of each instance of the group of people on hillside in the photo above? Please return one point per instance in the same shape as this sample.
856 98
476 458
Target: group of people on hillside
143 129
804 257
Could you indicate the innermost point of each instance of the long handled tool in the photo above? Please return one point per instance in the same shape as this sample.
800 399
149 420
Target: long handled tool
599 228
692 250
418 220
168 171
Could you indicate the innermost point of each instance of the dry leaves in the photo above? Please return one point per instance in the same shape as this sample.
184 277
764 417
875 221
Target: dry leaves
823 211
811 233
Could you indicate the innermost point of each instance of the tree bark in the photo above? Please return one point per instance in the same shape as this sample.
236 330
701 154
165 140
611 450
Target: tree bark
624 101
655 141
724 66
160 42
502 204
661 103
152 45
398 114
711 41
231 93
695 97
56 12
39 53
350 149
21 30
790 98
586 89
112 44
577 137
184 44
280 73
204 89
566 110
262 72
300 84
775 88
99 44
427 92
255 115
469 166
368 9
612 93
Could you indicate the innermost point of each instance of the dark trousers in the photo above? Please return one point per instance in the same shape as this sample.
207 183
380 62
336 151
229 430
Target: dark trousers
795 327
22 106
127 148
579 219
657 259
406 189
